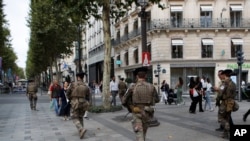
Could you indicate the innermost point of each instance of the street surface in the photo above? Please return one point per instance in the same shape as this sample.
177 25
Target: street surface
19 123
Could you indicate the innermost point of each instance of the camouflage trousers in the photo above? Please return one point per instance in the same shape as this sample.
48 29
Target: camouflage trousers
78 111
225 118
140 125
33 100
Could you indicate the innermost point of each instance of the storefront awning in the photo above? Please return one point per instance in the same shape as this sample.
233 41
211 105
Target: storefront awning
207 42
206 8
237 41
236 8
177 42
176 9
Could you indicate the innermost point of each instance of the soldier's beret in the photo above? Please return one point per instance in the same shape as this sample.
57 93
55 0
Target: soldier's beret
80 74
227 72
141 69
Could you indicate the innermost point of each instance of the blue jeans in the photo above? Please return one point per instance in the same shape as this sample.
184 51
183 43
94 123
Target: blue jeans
55 105
208 100
114 94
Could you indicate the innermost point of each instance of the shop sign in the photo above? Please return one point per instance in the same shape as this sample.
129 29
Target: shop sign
235 66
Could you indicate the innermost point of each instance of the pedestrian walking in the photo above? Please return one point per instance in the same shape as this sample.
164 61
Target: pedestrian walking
199 89
144 96
164 91
207 96
64 102
55 92
78 93
193 95
178 88
31 94
97 89
114 90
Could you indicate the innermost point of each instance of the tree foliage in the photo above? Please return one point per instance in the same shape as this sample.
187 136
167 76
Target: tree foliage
7 53
52 34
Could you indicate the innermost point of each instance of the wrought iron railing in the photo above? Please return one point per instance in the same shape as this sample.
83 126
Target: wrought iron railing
206 23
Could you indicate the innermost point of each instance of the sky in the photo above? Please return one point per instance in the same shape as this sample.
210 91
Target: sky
16 12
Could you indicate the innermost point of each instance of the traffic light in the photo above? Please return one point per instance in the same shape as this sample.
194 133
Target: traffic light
240 57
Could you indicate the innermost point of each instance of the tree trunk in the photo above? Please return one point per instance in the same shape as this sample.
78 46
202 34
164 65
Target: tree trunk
107 53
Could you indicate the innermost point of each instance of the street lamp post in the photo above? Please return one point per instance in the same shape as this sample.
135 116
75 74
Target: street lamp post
143 15
158 72
79 49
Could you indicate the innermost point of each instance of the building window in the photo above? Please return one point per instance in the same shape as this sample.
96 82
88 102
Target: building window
126 33
126 58
118 61
206 16
118 36
177 48
135 25
136 58
207 48
235 15
176 16
236 45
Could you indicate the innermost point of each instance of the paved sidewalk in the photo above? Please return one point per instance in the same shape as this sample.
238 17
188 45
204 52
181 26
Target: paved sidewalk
19 123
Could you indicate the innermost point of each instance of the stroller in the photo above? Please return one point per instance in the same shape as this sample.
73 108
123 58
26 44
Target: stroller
172 97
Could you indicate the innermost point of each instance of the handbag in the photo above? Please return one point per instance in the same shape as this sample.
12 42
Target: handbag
195 93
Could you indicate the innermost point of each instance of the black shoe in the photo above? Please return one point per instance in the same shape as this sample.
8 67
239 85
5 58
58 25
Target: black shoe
244 117
87 118
219 129
201 111
191 112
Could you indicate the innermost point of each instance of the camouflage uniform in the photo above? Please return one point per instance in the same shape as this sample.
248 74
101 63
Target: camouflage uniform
144 96
78 94
31 93
122 89
218 100
226 106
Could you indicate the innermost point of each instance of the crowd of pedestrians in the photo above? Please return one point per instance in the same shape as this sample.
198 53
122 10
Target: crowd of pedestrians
64 99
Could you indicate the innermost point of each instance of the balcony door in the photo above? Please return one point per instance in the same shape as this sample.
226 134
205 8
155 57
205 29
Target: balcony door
206 16
235 15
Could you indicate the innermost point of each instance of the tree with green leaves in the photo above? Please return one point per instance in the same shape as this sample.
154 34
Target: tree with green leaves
52 35
6 51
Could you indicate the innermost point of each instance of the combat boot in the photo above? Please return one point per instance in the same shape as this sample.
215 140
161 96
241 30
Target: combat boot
82 132
220 129
225 135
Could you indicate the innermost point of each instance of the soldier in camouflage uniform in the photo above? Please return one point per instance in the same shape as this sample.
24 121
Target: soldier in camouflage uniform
144 96
122 88
219 96
78 93
227 102
31 94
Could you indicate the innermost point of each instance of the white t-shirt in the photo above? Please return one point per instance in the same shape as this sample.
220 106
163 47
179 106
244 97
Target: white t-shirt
113 86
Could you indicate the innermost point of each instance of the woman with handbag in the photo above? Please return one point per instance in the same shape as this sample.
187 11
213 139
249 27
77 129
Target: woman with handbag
64 102
193 95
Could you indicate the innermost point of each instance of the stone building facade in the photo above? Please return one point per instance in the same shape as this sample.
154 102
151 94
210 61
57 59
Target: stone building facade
187 38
